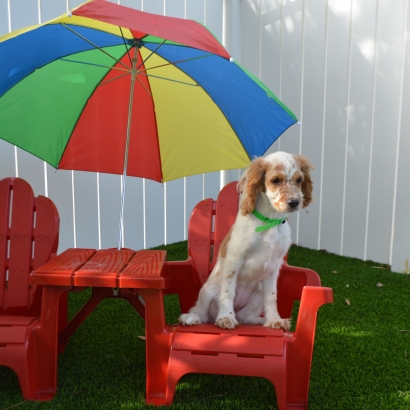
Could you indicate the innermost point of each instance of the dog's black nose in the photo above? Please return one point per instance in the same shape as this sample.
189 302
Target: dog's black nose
293 203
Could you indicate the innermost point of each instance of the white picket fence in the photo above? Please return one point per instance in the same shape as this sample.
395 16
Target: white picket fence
342 66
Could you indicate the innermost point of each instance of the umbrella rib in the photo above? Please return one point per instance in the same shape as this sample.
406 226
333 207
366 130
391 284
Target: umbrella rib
113 79
152 52
169 79
144 87
177 62
95 45
93 64
125 44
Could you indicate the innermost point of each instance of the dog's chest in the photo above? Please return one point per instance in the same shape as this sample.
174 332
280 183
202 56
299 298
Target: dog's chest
265 253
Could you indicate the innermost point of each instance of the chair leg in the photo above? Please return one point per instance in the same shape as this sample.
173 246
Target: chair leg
43 346
281 399
15 357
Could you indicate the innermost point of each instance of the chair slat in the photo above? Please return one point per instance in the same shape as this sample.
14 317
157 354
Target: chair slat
5 187
200 238
22 214
227 206
46 231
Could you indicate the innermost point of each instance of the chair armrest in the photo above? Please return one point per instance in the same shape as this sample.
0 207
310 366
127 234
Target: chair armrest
313 297
292 280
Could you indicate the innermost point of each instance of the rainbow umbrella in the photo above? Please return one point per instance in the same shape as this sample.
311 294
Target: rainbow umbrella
111 89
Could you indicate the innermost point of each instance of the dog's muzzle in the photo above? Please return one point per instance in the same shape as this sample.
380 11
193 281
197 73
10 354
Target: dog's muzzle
293 203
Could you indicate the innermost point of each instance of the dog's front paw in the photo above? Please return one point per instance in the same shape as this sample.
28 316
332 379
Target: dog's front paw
227 322
189 319
278 323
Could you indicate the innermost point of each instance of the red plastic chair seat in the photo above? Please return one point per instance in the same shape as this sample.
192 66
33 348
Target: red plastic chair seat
14 329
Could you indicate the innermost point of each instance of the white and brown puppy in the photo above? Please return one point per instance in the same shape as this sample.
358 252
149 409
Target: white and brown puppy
242 286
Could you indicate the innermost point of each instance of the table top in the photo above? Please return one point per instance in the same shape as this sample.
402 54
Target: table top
123 268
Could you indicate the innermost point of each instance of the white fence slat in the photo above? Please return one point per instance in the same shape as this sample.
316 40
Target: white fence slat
60 192
195 10
389 60
75 3
134 214
175 8
4 17
338 51
50 9
401 235
154 6
213 17
110 207
155 223
291 70
313 112
19 19
174 211
7 163
86 208
31 169
270 40
194 192
135 4
271 50
250 37
212 181
359 128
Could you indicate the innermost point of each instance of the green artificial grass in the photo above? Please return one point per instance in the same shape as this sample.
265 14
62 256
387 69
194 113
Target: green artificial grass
361 358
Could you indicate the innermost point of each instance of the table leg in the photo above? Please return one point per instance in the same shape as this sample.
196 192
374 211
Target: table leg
158 342
97 295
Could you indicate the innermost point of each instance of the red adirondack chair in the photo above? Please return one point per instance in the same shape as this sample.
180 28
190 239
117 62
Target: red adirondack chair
282 357
29 229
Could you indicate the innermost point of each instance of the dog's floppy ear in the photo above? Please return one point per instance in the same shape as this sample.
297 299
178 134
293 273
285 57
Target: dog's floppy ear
251 183
307 184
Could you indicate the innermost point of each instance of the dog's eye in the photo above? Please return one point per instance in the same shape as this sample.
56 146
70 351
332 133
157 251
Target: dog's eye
299 180
276 181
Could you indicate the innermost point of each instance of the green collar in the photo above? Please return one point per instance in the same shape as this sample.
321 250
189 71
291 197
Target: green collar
269 223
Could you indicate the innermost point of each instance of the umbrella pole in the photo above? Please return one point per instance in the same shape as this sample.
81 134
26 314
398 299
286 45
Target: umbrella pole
127 143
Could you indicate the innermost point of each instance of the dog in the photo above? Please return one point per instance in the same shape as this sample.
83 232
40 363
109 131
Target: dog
242 286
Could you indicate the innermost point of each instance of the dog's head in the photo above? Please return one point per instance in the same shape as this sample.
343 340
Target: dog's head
284 178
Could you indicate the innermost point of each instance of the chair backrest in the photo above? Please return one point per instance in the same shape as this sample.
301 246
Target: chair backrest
210 222
29 231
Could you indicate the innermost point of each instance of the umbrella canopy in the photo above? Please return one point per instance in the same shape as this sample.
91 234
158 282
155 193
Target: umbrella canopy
72 89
